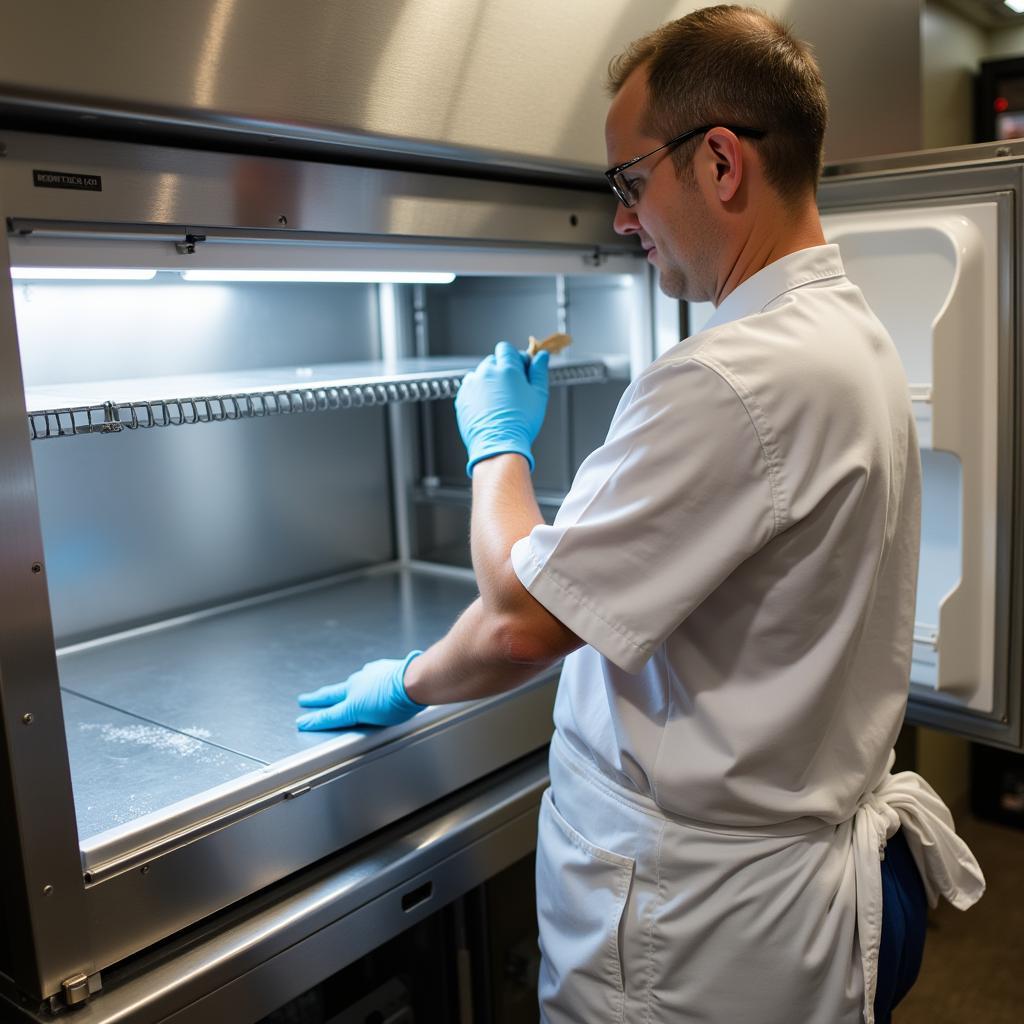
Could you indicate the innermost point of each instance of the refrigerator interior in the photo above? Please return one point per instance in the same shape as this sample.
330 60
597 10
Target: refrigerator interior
202 574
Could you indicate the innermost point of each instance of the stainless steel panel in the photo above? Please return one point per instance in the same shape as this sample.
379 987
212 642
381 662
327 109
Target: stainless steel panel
110 330
224 195
515 84
304 965
152 523
103 508
45 936
159 890
123 766
1001 181
54 245
231 678
471 315
266 950
980 153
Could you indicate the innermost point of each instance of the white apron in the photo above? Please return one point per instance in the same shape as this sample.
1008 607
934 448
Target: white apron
648 918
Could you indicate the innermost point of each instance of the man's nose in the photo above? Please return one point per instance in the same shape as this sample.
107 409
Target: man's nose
625 222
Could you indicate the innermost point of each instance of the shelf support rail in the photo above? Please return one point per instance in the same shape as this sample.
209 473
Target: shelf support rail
114 417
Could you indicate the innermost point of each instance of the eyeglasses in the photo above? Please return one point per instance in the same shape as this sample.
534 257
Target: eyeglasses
625 190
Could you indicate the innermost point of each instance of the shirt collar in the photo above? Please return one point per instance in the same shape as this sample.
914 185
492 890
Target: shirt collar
805 266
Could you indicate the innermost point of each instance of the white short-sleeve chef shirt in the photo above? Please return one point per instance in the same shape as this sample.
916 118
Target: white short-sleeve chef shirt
740 557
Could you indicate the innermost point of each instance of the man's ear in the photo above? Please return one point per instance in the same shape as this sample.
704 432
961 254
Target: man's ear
725 161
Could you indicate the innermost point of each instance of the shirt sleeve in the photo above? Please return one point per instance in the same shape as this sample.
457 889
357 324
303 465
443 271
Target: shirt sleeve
681 492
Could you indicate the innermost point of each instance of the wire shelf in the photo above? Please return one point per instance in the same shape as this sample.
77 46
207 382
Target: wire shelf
49 418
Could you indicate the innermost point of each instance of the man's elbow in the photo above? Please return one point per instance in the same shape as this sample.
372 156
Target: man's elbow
534 640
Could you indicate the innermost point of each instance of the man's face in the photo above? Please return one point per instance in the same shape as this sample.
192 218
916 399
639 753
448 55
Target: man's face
671 216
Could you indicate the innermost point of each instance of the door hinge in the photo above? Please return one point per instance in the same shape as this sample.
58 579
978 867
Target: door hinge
76 990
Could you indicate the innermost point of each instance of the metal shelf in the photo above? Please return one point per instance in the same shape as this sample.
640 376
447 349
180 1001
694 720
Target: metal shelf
179 720
109 407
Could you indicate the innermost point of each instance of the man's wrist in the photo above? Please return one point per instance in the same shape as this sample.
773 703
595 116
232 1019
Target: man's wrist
403 678
501 444
403 696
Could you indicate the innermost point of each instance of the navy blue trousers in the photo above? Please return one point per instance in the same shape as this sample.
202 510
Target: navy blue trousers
904 917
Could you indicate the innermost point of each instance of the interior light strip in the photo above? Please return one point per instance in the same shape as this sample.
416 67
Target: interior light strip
345 276
79 274
1017 6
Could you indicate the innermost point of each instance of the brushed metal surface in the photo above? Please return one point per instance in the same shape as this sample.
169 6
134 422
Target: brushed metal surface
45 931
188 877
74 331
266 950
343 942
1007 151
171 190
153 523
123 766
515 84
196 510
232 678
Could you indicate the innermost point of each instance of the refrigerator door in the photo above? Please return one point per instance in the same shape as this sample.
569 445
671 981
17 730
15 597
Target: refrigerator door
933 249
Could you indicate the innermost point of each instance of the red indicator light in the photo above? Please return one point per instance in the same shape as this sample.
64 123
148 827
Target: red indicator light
1001 104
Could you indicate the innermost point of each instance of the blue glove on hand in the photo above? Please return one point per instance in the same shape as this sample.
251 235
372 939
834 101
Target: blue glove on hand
375 695
500 405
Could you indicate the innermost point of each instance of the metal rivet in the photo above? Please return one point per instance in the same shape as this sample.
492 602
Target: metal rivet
37 567
144 869
27 718
282 220
47 889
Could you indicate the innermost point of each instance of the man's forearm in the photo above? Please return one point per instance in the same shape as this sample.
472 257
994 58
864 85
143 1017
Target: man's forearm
505 637
504 510
475 659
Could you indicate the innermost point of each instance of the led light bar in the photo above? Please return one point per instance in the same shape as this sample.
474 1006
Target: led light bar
80 274
1017 6
345 276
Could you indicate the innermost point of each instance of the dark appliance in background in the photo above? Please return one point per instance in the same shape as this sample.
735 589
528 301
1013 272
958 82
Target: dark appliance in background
999 100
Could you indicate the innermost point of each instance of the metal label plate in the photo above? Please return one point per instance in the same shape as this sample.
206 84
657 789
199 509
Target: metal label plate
66 179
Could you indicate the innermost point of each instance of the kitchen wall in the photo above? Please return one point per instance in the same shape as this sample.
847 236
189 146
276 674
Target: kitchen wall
952 49
1006 43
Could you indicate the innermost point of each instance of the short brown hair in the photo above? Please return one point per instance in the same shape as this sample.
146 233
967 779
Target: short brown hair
740 66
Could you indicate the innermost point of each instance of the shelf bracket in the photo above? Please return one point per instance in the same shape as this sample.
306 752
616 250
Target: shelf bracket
188 247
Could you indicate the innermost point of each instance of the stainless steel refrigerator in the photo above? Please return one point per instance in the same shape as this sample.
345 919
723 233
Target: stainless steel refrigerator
229 472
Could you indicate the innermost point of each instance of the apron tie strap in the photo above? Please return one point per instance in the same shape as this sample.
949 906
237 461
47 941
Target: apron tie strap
944 861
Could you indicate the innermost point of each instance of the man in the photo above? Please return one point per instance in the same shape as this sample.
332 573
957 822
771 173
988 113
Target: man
731 580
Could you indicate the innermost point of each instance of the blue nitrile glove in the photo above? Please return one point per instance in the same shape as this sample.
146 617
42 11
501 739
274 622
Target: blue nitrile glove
500 405
375 695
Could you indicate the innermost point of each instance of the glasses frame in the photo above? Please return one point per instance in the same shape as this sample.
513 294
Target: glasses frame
622 190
